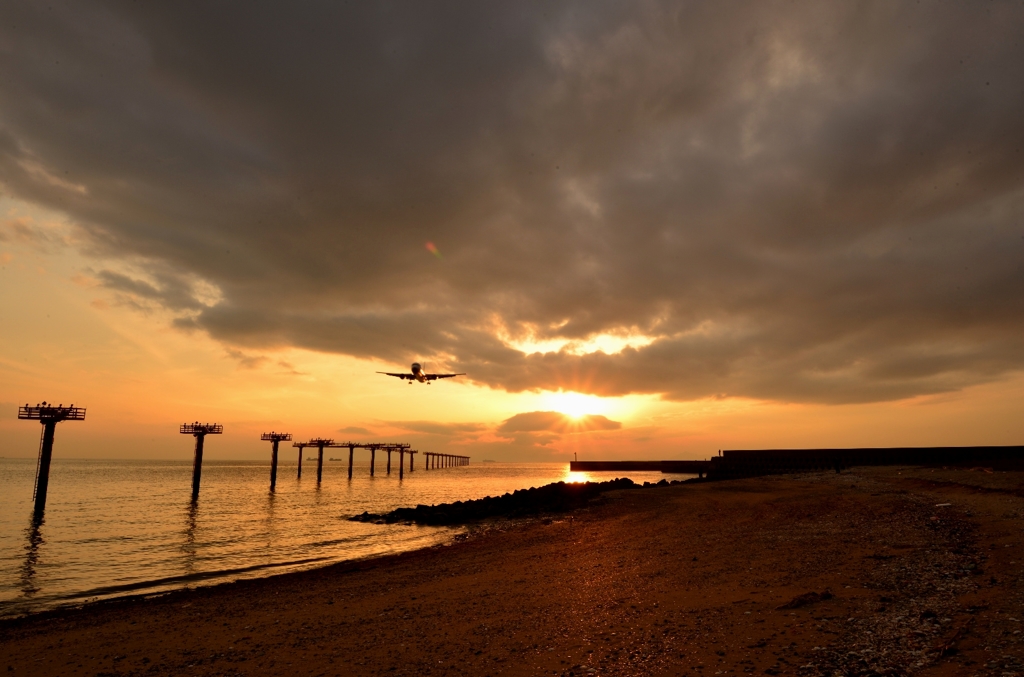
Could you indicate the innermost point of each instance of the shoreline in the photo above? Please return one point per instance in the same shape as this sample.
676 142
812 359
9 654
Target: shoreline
528 504
660 581
314 565
342 566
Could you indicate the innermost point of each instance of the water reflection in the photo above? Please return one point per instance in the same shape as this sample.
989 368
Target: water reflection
188 548
28 568
268 521
130 523
572 477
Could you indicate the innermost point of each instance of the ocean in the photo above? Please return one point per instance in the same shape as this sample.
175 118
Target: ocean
129 527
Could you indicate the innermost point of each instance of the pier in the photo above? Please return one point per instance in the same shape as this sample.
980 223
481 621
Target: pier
50 415
373 447
433 460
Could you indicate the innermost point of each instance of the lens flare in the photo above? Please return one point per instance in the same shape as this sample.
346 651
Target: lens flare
432 248
575 405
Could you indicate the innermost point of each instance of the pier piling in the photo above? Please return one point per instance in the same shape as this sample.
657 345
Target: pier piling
433 460
302 450
320 459
43 466
197 466
273 465
199 431
49 415
275 439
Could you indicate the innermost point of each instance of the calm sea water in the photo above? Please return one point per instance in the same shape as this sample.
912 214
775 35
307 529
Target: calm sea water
128 527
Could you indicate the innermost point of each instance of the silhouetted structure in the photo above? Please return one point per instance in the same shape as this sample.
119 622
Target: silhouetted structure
698 468
433 460
49 415
199 431
373 447
733 463
373 457
320 443
751 462
401 449
275 438
302 448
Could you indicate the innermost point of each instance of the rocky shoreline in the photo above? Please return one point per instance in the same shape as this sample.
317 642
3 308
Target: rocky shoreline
558 497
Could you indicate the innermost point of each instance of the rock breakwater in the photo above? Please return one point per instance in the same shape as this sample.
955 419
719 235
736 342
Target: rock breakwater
557 497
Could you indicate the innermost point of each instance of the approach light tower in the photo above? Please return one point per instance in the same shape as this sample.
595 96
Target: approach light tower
49 415
199 431
275 438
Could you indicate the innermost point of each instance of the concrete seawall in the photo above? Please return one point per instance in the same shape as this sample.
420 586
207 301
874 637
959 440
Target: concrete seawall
752 462
698 468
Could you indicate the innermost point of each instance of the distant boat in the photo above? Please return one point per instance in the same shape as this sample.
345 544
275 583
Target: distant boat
311 458
334 459
487 460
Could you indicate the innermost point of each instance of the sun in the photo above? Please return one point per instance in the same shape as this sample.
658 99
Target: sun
575 405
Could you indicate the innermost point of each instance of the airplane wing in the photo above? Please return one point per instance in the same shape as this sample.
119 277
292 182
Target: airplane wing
434 377
401 376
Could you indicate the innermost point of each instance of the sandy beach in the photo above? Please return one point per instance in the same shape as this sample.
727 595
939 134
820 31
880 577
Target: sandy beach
885 571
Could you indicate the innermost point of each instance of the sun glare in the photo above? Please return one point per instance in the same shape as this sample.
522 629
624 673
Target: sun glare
574 404
610 344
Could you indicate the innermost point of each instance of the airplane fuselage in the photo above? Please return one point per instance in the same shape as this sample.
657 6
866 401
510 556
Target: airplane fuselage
417 374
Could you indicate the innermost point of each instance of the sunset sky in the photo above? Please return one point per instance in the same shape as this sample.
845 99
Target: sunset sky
644 229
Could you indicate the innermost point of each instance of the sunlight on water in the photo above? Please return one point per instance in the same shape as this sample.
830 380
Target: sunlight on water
128 527
574 477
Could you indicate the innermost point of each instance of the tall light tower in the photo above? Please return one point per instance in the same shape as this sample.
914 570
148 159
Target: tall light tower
275 438
49 415
199 431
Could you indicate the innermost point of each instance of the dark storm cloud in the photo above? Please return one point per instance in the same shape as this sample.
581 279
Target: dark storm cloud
168 289
553 421
797 201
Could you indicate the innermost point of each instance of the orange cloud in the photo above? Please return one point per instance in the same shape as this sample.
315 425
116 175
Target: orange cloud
553 421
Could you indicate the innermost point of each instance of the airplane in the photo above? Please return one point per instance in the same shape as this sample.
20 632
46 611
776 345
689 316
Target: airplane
419 375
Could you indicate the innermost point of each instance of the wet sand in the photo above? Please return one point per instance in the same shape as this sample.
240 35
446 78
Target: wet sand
688 579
